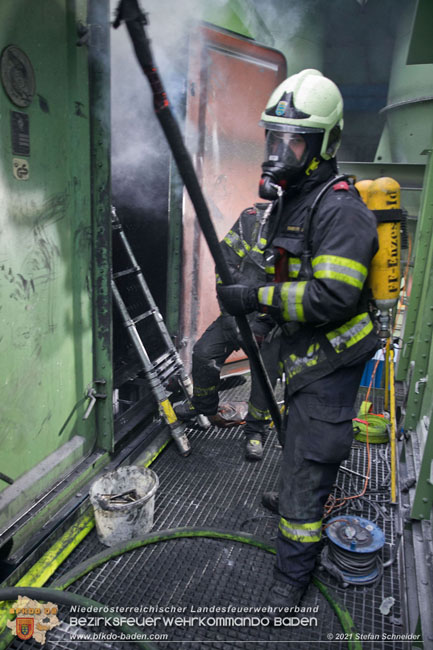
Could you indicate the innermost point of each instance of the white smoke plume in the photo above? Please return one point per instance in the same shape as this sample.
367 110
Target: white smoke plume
139 150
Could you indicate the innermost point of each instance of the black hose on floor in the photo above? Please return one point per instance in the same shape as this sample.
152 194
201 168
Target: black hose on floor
88 565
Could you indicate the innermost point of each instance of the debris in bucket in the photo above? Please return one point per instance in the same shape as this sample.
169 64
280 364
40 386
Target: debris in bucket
124 497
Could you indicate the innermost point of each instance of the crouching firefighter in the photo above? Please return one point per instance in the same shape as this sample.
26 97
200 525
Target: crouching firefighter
323 249
244 248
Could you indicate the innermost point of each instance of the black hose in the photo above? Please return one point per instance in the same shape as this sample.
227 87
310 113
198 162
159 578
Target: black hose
129 11
152 538
88 565
68 598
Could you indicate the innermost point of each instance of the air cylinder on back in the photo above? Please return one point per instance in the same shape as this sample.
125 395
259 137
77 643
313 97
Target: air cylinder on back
383 198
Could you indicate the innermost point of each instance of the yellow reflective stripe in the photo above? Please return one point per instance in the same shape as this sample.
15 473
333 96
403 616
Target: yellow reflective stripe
202 392
218 279
265 295
270 270
257 413
299 363
294 267
292 294
167 408
341 261
263 241
342 269
351 332
233 240
309 532
340 277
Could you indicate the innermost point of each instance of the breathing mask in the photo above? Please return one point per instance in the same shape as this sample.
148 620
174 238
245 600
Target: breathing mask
288 154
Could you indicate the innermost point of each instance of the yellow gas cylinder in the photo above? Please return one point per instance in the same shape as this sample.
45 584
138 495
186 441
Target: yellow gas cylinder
383 198
362 187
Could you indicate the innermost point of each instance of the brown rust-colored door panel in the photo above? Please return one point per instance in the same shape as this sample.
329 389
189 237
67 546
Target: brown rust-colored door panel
229 82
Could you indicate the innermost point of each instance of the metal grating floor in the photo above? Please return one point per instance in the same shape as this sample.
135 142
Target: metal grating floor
215 487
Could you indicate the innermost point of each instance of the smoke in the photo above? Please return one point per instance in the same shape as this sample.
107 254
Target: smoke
283 21
140 156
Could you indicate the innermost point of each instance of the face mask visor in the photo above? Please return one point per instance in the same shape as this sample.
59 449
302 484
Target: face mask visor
288 152
286 149
292 146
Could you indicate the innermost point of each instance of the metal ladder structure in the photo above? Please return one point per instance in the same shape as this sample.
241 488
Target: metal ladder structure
169 363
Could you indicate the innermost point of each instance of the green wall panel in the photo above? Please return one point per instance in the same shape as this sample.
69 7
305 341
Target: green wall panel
45 243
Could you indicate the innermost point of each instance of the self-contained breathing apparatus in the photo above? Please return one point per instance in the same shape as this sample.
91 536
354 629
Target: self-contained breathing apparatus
382 197
303 121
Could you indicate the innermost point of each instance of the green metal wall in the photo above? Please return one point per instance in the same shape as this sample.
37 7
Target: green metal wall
409 116
46 316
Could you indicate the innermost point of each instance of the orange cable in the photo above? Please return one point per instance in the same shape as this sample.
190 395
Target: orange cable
333 503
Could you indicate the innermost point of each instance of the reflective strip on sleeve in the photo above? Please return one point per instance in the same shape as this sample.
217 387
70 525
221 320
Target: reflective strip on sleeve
294 267
311 532
266 294
342 269
233 240
292 294
351 332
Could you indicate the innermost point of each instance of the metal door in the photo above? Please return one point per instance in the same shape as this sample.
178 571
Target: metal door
230 80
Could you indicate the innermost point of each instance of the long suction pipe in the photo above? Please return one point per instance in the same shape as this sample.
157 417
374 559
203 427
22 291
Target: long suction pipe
130 12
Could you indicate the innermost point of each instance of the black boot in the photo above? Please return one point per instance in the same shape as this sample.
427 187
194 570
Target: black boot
271 501
283 595
185 411
254 447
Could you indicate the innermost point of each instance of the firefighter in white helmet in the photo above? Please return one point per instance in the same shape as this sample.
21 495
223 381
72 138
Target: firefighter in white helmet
323 248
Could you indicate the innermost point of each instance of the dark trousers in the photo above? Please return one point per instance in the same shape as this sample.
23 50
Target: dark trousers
318 436
209 354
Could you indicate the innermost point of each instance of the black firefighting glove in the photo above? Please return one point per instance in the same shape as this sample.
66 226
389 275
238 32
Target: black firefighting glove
238 299
261 325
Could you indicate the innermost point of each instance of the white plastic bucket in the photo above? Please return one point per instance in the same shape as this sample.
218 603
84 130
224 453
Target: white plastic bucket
120 521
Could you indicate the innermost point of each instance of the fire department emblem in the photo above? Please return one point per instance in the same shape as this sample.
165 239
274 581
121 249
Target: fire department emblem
25 627
33 619
281 107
